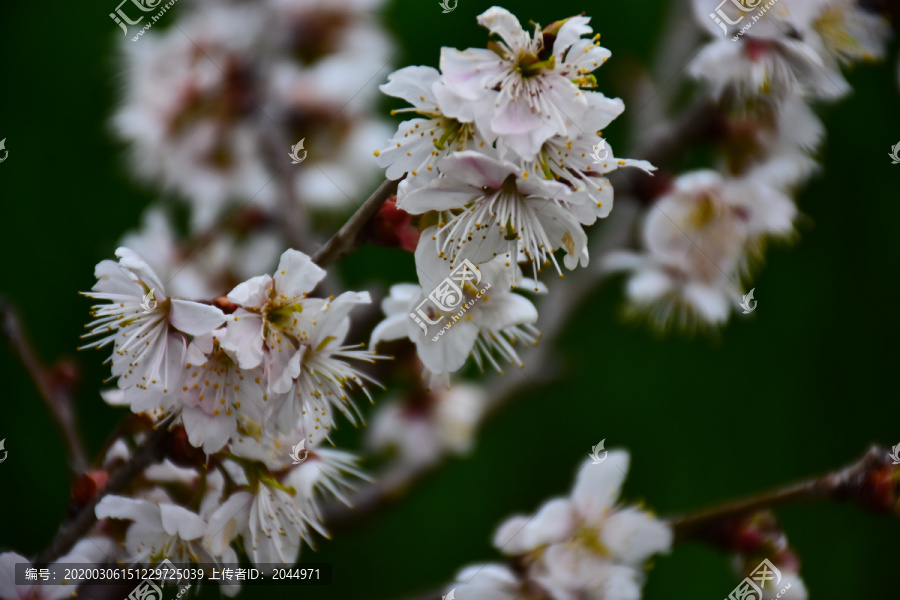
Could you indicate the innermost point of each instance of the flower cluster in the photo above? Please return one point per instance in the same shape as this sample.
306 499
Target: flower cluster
499 165
205 103
702 238
246 386
584 545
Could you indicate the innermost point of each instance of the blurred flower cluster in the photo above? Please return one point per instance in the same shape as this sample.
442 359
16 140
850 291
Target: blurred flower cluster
703 238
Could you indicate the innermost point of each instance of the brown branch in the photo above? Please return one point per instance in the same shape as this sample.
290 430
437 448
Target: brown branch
346 238
149 452
55 385
861 481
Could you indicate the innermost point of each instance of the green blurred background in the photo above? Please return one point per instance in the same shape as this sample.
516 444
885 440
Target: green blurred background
801 387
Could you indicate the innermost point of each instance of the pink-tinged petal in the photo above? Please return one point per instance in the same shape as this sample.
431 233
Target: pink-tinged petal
413 84
477 169
514 116
282 367
179 521
470 74
297 274
119 507
441 194
229 520
597 486
244 338
194 318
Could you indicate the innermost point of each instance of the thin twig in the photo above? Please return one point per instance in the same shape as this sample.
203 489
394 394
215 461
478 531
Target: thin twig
847 483
146 454
346 238
55 385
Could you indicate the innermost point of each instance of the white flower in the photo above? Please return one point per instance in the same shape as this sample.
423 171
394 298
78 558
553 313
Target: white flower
521 90
767 68
570 159
844 33
272 322
586 542
429 426
92 550
488 317
325 375
488 582
503 207
162 530
419 143
699 242
272 522
148 347
220 400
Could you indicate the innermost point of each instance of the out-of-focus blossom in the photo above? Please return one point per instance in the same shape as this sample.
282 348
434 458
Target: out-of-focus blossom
584 545
430 425
699 241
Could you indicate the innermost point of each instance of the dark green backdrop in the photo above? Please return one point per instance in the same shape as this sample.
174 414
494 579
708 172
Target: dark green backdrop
801 387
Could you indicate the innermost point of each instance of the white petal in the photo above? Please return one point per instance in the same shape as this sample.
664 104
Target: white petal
297 274
179 521
194 318
597 486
